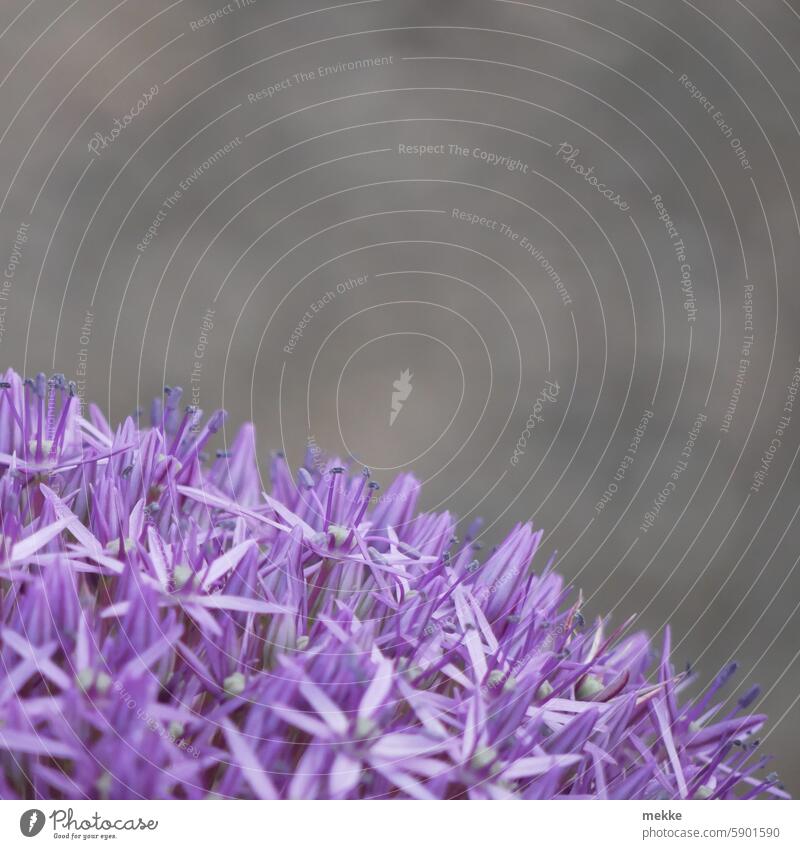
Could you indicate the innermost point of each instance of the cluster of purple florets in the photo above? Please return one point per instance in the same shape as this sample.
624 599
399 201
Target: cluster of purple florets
170 630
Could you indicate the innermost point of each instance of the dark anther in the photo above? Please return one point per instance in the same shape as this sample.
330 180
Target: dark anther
216 420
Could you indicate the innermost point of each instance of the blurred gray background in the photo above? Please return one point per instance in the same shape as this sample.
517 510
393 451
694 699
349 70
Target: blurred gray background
284 206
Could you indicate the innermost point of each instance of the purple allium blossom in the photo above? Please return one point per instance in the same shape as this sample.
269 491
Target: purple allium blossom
169 630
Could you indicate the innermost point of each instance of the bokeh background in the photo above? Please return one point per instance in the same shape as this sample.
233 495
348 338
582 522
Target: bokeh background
284 206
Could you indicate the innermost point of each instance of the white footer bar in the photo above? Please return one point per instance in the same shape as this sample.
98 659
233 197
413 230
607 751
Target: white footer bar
404 825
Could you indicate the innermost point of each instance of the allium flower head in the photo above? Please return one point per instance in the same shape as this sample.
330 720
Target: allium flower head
170 630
